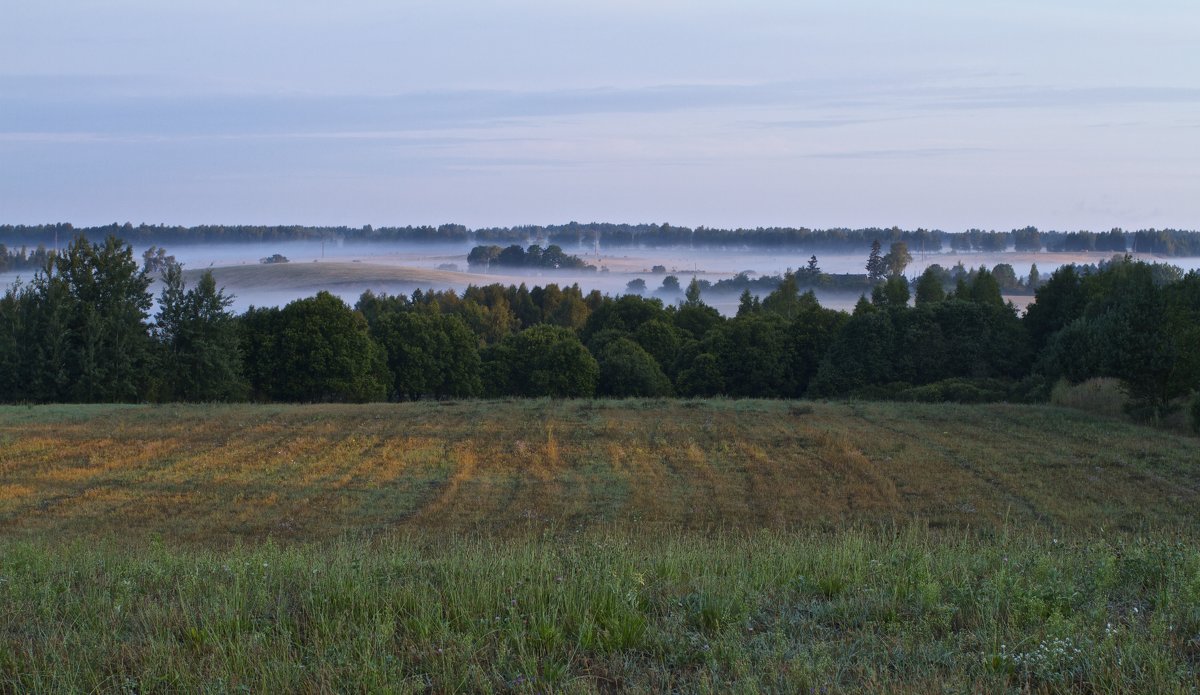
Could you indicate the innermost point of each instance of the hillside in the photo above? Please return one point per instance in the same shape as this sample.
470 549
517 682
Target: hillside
329 274
210 474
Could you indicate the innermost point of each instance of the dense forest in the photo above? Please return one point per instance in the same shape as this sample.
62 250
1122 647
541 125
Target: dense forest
1165 242
82 331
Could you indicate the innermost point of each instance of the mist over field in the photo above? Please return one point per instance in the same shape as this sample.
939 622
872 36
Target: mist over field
347 269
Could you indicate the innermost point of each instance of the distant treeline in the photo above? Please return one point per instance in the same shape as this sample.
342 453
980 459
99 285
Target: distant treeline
23 258
1167 242
81 331
879 266
1005 275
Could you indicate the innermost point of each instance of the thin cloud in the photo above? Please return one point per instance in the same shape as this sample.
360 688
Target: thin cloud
29 117
1048 97
814 123
907 153
255 114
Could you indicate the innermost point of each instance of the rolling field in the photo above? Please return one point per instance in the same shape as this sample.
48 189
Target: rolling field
210 474
592 546
295 276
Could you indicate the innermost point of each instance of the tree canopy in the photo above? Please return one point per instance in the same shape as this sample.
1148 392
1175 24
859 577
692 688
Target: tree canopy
80 331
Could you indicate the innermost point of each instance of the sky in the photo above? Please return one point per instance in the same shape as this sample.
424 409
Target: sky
1063 114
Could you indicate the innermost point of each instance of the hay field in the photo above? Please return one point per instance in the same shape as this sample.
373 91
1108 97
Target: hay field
209 474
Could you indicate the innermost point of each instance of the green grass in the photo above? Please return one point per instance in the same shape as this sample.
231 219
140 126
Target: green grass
906 611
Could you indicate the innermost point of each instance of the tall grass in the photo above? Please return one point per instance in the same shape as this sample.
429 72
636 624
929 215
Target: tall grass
1102 396
863 610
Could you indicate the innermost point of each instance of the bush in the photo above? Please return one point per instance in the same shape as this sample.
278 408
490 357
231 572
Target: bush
1102 396
958 391
1195 412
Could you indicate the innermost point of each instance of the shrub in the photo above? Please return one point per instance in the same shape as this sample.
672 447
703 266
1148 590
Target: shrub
958 391
1102 396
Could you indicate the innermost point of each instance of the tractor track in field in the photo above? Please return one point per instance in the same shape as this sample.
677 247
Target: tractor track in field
963 464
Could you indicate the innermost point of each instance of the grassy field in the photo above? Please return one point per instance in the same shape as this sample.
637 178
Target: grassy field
848 612
627 546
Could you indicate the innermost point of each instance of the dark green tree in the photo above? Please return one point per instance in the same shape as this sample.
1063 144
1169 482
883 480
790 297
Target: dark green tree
429 355
40 325
313 350
104 297
692 294
12 335
809 335
663 341
784 301
876 267
892 293
929 288
200 357
748 303
701 376
624 313
755 358
1130 325
860 355
512 256
1006 277
1057 302
696 320
982 288
982 339
541 361
628 370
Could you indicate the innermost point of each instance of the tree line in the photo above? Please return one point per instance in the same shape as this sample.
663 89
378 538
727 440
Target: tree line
22 258
82 331
1169 242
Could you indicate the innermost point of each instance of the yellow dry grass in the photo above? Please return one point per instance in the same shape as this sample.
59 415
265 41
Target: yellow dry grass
209 474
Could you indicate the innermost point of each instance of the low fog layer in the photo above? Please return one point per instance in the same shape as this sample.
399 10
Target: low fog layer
347 270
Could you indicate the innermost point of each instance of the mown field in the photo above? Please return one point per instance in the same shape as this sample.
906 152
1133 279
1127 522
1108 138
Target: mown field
626 546
211 474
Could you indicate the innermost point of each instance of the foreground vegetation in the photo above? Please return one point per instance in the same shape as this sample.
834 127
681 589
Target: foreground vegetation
880 611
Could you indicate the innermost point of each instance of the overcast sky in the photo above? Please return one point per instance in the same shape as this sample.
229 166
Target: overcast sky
1064 114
